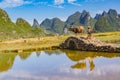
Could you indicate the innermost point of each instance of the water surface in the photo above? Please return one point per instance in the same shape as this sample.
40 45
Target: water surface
60 65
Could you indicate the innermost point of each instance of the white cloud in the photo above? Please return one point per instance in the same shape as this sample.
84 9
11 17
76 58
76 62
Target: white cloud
76 4
58 2
13 3
93 0
56 6
41 3
73 2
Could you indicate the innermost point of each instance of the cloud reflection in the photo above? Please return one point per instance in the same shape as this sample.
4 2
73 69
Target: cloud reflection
109 72
51 66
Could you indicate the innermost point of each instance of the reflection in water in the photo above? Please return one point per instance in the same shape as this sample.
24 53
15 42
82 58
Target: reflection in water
82 55
83 65
38 54
24 56
79 65
56 52
92 65
87 56
6 61
52 65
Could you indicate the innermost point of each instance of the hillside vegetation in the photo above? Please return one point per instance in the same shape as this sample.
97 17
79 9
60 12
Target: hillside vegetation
105 22
108 21
20 29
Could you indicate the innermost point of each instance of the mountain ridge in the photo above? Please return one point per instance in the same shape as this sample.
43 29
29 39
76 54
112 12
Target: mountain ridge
105 22
108 21
75 19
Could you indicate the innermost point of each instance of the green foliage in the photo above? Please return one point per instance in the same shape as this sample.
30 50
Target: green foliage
55 25
74 19
78 18
6 26
58 25
103 25
46 24
25 30
110 37
22 29
108 22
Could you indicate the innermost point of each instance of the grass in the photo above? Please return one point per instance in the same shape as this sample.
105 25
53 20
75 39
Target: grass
32 44
111 37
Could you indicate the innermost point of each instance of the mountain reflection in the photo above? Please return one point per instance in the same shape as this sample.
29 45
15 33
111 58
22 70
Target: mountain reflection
56 52
81 58
6 61
24 56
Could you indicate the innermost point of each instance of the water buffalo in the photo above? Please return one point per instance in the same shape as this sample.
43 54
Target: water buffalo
77 29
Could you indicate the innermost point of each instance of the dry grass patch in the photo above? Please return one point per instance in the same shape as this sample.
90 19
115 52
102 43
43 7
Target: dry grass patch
47 42
32 43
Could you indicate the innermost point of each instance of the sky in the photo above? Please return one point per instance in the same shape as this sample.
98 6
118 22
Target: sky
42 9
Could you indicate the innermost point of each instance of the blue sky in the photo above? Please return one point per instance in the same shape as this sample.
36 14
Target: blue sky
41 9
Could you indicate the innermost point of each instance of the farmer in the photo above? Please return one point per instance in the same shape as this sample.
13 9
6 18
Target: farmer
89 32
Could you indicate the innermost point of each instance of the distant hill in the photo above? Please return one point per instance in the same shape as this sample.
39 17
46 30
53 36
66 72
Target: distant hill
57 26
54 25
35 23
74 19
97 16
25 29
7 27
20 29
105 22
108 21
83 19
78 18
